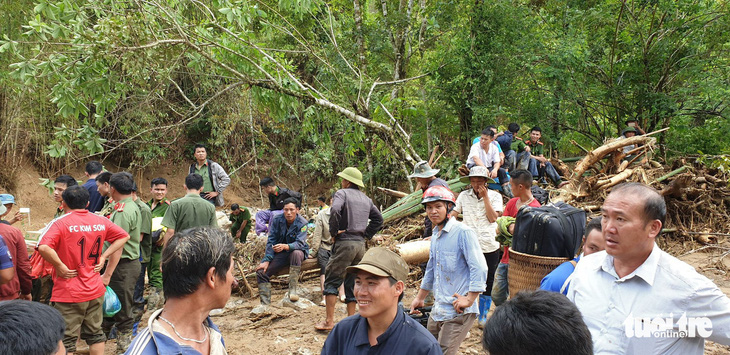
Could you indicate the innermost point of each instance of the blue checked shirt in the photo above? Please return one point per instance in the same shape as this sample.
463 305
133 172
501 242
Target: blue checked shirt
455 265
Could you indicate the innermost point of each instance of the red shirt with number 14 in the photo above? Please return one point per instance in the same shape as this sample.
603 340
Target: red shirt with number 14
78 239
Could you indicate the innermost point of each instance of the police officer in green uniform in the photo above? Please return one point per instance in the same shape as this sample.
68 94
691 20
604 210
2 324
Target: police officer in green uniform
145 250
158 204
241 218
123 270
189 211
102 186
59 186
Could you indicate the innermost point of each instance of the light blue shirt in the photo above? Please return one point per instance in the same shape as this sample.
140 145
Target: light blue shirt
555 279
455 265
617 310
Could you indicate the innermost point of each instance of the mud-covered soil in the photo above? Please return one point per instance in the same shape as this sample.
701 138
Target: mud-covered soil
289 331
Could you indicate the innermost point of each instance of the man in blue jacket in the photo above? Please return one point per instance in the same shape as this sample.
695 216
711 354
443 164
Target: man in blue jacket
287 246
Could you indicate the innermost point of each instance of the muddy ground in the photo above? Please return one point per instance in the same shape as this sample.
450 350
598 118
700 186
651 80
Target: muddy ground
290 331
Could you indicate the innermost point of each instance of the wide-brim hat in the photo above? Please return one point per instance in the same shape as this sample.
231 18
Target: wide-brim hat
382 262
352 175
423 170
628 129
478 171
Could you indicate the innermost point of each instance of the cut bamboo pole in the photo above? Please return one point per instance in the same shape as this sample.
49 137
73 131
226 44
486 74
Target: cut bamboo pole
579 146
623 166
243 277
439 157
390 192
433 154
672 173
411 204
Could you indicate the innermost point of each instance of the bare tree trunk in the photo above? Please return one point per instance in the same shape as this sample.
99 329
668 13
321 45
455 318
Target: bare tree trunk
424 23
369 159
360 43
465 123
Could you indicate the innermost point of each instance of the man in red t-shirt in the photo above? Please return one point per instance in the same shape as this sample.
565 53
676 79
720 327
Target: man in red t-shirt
20 284
73 244
521 183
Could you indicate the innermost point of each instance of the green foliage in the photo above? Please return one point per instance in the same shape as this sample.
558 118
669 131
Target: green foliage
48 184
304 81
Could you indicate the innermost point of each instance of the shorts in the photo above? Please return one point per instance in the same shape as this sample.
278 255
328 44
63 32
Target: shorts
323 257
84 315
344 253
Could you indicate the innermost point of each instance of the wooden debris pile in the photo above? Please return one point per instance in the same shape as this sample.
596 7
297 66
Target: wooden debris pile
593 174
697 199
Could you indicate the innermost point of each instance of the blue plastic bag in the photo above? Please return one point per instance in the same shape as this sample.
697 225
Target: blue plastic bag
111 303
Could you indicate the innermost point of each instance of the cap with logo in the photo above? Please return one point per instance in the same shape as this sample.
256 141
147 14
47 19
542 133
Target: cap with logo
382 262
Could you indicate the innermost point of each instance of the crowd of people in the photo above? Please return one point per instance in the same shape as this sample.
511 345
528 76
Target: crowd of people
103 235
622 294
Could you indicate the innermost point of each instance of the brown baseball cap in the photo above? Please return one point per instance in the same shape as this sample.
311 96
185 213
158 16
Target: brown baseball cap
382 262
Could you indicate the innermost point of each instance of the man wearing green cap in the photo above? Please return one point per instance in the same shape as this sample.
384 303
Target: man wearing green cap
381 326
349 227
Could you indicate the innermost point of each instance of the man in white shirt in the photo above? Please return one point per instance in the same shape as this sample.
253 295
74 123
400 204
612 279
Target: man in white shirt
636 298
481 207
484 153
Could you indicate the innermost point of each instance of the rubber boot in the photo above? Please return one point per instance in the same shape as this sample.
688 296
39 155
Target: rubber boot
265 296
507 190
155 300
265 293
124 340
484 303
294 282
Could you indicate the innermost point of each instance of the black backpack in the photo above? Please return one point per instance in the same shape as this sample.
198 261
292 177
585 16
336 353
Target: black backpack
540 194
555 230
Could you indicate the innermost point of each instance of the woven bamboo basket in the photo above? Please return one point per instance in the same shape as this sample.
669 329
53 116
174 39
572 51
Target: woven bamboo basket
526 271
